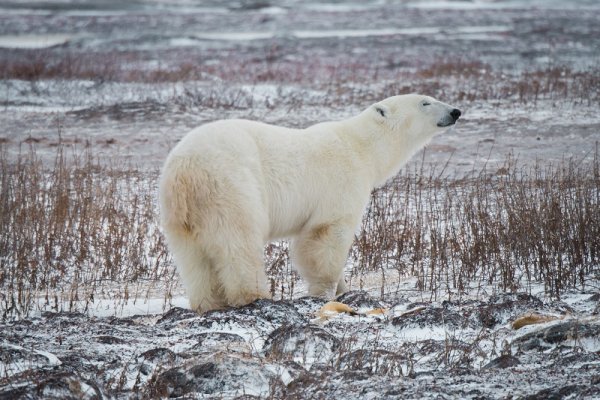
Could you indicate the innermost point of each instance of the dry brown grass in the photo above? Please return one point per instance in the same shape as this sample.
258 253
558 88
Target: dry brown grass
347 81
75 231
510 228
84 229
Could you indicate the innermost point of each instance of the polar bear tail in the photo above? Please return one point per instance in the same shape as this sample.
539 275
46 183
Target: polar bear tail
180 190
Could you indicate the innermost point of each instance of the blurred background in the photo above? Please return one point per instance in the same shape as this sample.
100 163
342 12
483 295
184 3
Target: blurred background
131 77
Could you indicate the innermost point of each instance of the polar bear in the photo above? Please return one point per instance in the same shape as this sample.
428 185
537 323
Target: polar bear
230 186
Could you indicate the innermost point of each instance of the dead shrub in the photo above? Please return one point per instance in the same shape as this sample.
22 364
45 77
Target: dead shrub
82 229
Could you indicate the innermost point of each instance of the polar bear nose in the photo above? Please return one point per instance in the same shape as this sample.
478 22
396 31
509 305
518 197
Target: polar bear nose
455 114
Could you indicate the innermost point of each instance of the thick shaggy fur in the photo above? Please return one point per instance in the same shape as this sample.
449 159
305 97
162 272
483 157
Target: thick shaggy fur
231 186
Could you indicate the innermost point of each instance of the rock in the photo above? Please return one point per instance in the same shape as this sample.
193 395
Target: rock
568 333
594 298
358 299
177 314
276 312
504 307
430 346
155 359
17 358
263 313
220 376
569 391
305 344
218 341
64 315
49 384
504 361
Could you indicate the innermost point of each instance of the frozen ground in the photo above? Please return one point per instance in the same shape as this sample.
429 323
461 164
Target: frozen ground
410 347
128 79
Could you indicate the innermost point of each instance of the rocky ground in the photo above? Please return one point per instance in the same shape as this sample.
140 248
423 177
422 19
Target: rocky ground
403 348
126 80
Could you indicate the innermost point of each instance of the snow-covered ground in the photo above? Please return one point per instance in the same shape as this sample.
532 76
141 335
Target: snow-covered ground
126 80
405 347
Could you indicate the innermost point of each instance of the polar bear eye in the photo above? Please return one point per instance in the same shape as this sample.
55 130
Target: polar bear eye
426 103
380 111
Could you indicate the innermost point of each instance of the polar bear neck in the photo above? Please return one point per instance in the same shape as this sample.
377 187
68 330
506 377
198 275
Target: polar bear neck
383 151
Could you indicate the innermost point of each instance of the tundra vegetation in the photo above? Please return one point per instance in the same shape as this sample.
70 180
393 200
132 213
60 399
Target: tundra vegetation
80 228
474 274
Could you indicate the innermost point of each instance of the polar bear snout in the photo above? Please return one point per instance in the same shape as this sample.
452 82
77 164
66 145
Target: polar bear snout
450 118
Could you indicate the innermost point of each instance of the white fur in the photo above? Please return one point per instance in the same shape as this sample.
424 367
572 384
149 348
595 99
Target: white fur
231 186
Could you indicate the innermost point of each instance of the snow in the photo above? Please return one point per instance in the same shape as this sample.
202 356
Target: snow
444 33
501 5
28 41
424 344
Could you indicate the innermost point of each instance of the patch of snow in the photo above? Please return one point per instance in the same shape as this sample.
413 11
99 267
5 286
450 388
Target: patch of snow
34 41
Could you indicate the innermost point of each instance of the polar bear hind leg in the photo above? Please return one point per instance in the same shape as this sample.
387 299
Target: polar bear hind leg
233 275
238 263
197 274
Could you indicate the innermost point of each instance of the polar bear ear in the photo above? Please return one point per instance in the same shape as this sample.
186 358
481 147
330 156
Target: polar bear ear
381 110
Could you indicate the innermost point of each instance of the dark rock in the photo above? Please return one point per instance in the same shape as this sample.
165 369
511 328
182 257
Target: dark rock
218 341
581 358
302 343
222 376
590 392
214 339
594 298
503 307
556 393
12 354
65 319
276 312
468 309
359 299
49 384
131 321
10 392
159 355
74 362
558 334
263 314
173 383
68 385
504 361
155 360
177 314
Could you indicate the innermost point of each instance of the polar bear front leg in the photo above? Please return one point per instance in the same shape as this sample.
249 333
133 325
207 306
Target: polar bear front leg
319 253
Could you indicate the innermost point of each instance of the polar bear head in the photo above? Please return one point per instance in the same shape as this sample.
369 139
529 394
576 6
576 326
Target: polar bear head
417 115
